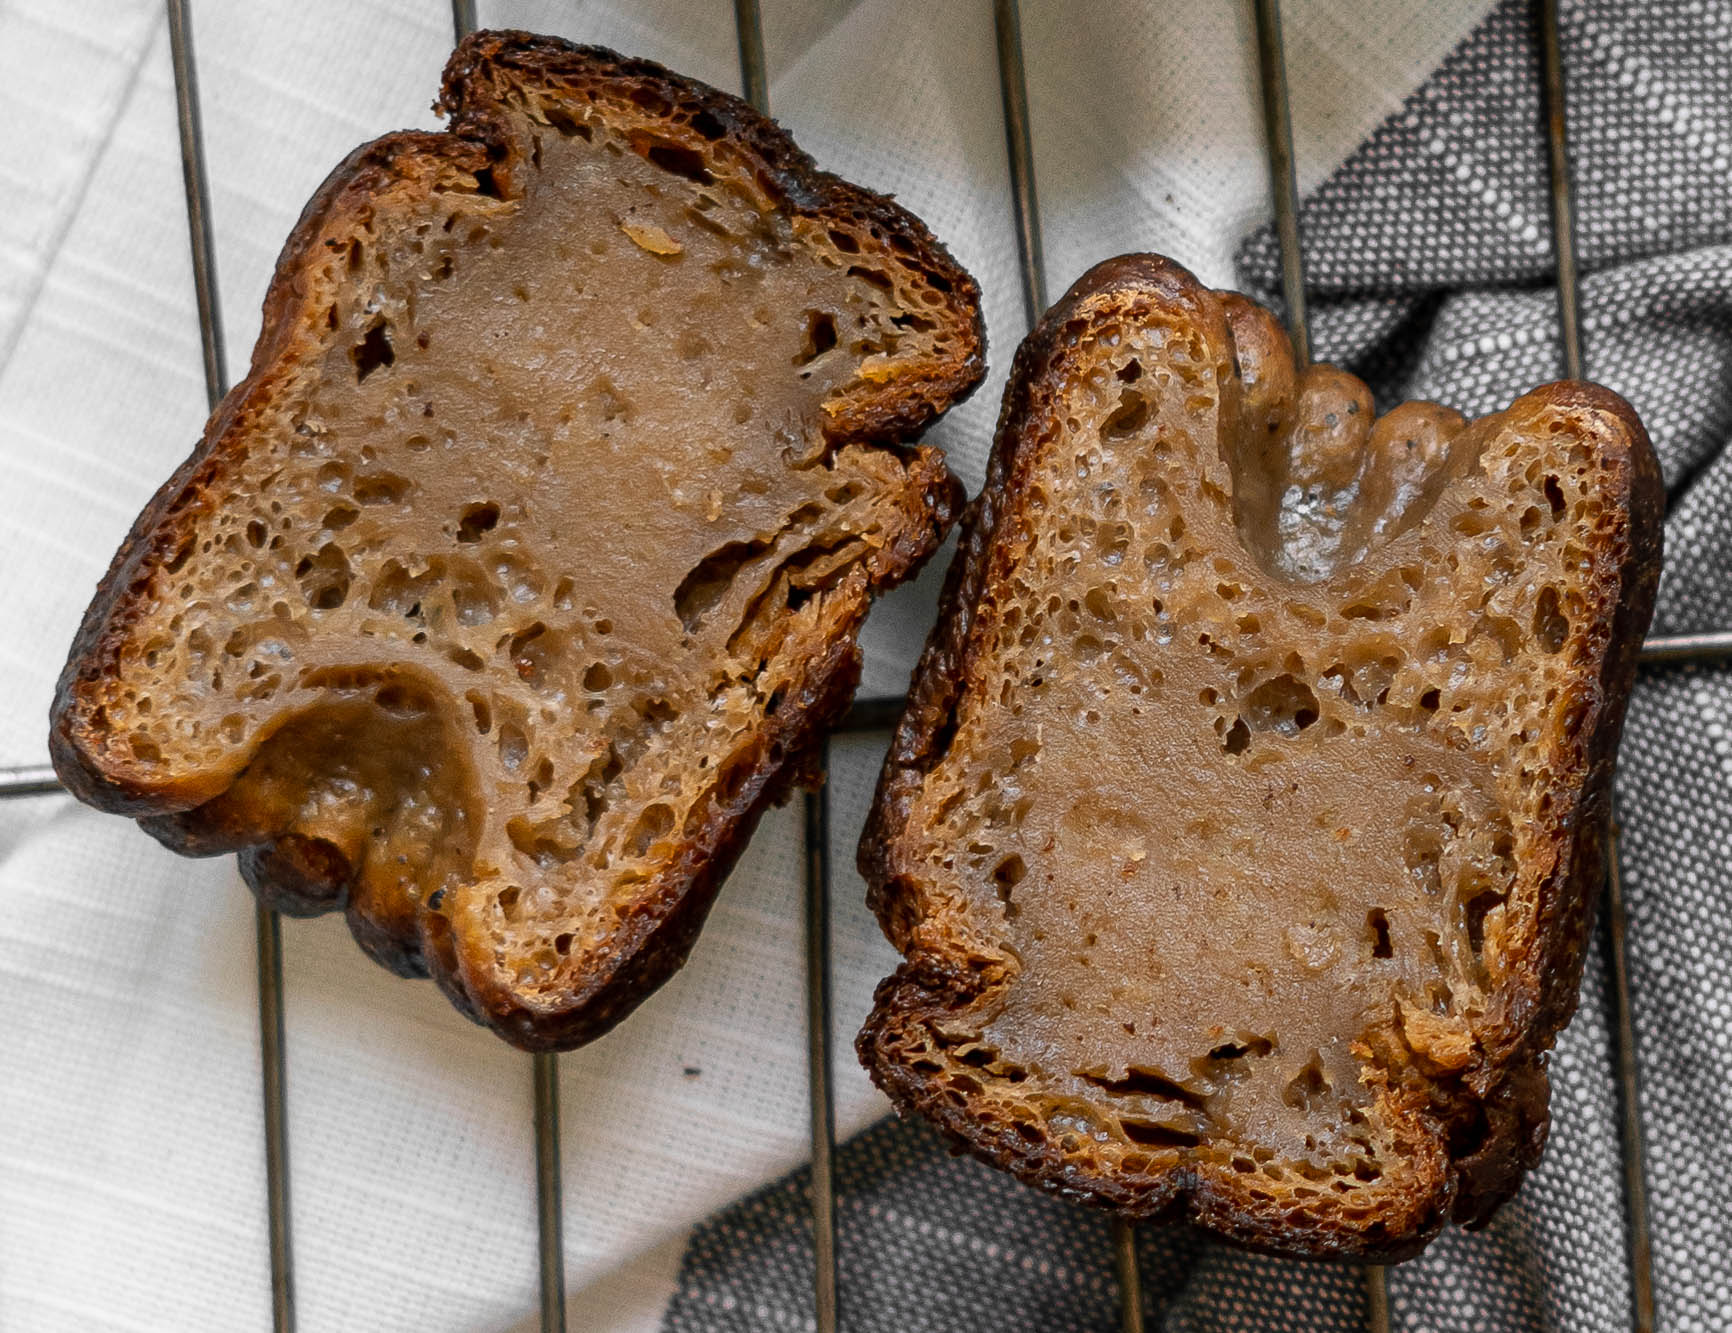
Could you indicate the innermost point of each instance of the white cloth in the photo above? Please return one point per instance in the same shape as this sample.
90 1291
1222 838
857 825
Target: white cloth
131 1178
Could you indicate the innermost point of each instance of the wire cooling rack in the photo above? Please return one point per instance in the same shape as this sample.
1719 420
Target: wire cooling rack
878 714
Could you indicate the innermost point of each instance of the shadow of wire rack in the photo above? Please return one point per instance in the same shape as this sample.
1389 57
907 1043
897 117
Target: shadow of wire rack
880 714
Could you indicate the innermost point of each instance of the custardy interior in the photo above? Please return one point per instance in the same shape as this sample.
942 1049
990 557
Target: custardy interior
1247 790
529 542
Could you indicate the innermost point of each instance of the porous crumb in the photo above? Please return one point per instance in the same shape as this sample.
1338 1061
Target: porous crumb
1241 833
532 554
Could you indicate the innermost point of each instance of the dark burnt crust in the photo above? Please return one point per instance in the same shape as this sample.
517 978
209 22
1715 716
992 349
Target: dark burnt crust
1476 1134
475 155
1503 1103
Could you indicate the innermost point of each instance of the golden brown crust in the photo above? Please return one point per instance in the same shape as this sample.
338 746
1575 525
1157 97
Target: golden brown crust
1472 1135
477 154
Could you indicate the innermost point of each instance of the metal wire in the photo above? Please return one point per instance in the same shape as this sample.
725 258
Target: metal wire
1563 209
28 780
874 714
1019 144
1283 178
749 33
1377 1298
198 214
826 1286
549 1224
463 21
1623 1026
273 1069
1708 647
1629 1098
268 938
1130 1276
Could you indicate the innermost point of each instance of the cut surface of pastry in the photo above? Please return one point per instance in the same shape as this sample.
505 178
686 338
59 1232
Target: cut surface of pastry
1242 830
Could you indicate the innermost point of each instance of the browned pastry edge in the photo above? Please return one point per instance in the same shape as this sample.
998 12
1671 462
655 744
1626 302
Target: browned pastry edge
289 874
1485 1128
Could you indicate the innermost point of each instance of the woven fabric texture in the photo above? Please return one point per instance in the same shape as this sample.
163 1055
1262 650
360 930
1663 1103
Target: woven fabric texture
1429 264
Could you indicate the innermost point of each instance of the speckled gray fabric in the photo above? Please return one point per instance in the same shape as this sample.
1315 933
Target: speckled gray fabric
1428 257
